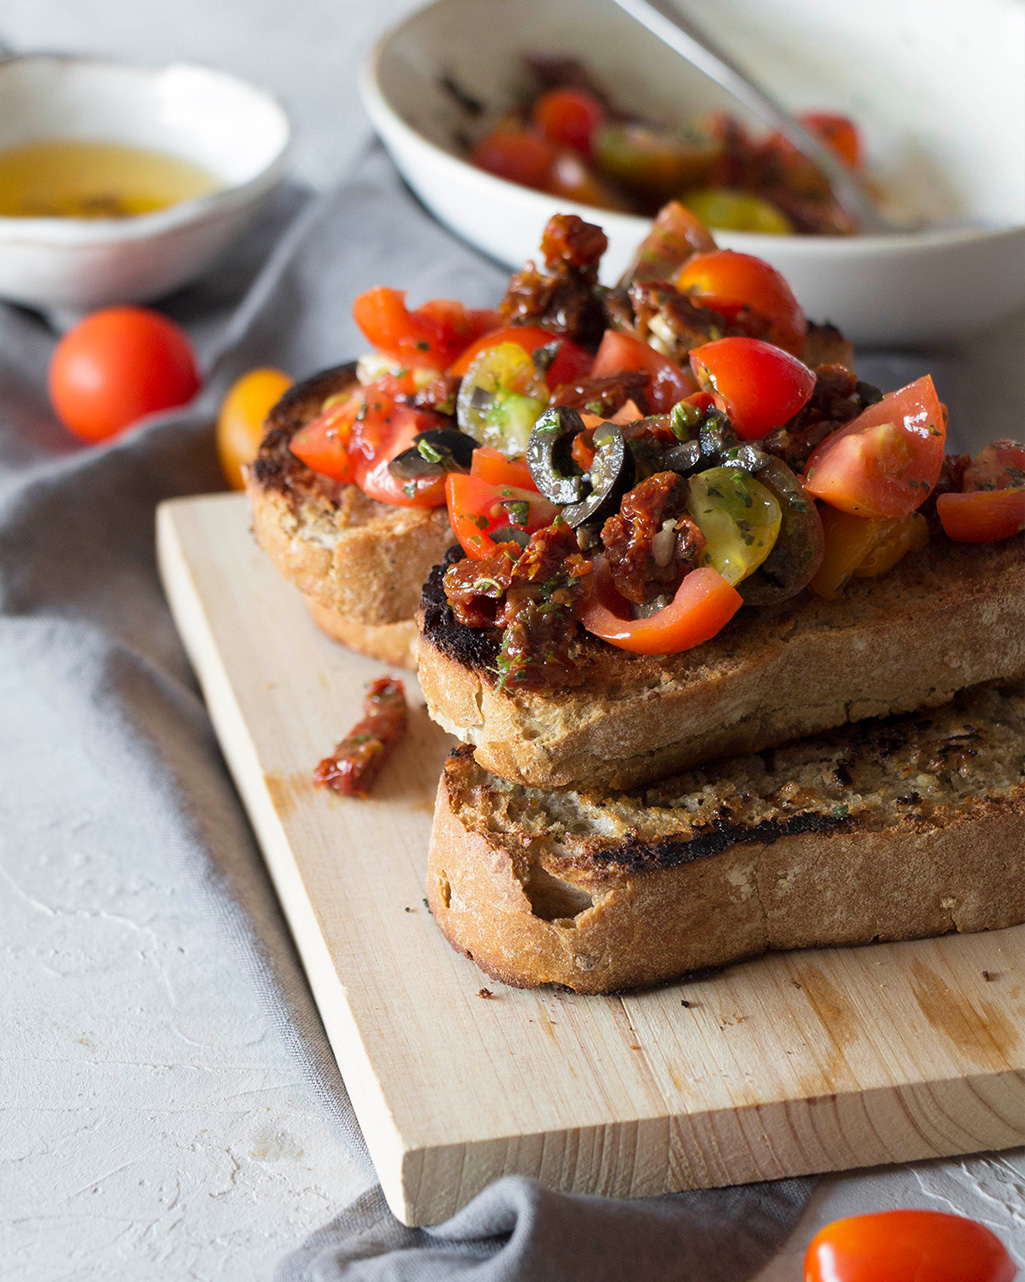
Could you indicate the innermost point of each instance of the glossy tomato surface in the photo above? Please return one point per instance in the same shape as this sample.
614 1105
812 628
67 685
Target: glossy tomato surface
323 444
887 460
982 516
478 511
907 1246
757 385
728 281
430 337
118 365
241 418
571 361
569 117
669 383
999 466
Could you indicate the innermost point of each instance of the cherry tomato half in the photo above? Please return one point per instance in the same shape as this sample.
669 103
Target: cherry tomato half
758 386
385 431
728 281
491 465
887 460
569 118
512 153
240 421
478 510
999 466
118 365
323 444
571 361
669 383
430 337
898 1246
704 603
982 516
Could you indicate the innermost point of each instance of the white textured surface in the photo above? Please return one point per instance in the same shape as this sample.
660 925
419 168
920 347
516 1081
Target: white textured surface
154 1127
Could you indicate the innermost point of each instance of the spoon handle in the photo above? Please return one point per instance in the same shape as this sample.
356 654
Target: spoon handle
682 33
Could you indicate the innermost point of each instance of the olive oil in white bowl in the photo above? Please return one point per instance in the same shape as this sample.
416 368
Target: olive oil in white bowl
187 157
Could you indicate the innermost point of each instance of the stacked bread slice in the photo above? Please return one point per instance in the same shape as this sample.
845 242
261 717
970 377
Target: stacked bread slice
664 815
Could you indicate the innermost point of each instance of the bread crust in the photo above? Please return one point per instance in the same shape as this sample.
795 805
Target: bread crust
362 559
948 618
391 643
600 925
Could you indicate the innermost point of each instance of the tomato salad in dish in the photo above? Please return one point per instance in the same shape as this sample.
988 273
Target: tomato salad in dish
645 460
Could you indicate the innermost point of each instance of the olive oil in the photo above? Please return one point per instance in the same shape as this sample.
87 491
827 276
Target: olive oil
78 179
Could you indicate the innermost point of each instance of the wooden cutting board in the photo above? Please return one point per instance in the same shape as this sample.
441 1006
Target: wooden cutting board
793 1063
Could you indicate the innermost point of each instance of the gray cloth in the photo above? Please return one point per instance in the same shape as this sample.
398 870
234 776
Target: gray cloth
89 660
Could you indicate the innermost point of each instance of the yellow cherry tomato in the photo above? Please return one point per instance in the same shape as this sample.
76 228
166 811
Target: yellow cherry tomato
862 547
241 419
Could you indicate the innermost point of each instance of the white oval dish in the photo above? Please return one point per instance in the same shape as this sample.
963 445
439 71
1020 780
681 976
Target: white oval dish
230 128
938 87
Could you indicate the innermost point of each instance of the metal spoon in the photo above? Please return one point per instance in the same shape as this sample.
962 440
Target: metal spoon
683 34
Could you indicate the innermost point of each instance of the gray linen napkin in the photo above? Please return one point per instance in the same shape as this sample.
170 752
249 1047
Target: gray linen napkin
84 632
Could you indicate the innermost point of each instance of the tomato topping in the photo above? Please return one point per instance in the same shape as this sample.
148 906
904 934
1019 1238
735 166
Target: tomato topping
982 516
569 117
668 382
839 134
492 466
477 509
510 152
887 460
323 444
999 466
572 362
385 430
758 386
432 336
675 235
860 547
704 603
898 1246
728 281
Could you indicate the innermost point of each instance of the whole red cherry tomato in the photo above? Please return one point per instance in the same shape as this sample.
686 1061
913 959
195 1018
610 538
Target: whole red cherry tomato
728 281
510 152
907 1246
118 365
758 386
569 118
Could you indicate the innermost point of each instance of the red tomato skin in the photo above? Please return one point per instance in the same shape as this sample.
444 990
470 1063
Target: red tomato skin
471 503
492 466
757 385
907 1246
323 444
999 466
569 117
704 603
728 281
118 365
669 383
839 133
431 337
982 516
839 475
572 362
385 431
517 156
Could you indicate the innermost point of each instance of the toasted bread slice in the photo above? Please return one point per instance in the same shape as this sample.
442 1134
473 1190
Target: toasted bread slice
942 620
895 829
392 643
362 559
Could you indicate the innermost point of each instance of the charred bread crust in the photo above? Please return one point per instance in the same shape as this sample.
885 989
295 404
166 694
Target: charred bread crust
580 890
945 619
391 643
359 558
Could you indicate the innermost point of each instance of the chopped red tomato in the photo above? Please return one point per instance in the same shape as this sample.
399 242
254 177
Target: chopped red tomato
477 510
839 133
571 361
887 460
758 386
569 118
982 516
382 434
323 444
491 465
999 466
431 337
704 603
898 1246
512 153
728 282
668 382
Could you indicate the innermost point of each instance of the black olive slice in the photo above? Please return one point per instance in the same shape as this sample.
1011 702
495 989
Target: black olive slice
548 455
433 453
797 552
611 475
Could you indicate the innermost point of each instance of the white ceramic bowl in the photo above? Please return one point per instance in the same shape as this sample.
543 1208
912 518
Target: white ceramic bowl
230 128
938 87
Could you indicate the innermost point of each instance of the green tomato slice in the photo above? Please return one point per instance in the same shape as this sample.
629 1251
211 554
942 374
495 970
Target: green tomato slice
736 211
500 398
739 517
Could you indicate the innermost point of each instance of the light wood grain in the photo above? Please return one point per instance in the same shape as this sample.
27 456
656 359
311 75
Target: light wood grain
789 1064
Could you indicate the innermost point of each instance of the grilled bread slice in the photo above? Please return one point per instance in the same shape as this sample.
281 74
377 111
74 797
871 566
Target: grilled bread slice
944 619
363 560
392 643
892 829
